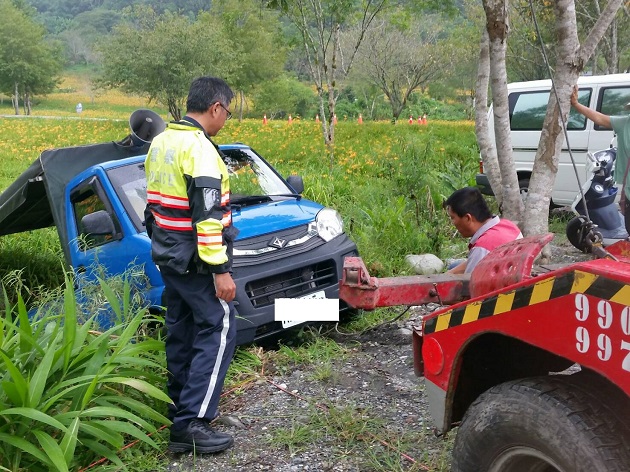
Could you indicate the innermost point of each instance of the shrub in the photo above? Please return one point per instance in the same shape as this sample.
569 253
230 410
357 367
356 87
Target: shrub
70 393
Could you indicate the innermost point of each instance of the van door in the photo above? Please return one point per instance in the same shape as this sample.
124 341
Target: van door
527 114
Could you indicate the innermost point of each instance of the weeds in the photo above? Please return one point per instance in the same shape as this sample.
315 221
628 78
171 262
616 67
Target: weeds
70 393
320 349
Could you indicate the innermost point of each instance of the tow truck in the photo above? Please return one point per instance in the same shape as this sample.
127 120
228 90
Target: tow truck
531 363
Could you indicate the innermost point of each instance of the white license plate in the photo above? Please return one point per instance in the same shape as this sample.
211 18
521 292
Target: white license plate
316 295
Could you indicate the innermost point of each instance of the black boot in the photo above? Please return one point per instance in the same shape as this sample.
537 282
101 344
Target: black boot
199 437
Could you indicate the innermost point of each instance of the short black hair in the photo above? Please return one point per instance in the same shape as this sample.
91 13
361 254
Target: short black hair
205 91
469 200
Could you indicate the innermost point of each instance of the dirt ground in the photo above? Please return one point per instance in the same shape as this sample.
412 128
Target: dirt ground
366 412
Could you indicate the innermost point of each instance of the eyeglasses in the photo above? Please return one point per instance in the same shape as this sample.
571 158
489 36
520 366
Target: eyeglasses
229 113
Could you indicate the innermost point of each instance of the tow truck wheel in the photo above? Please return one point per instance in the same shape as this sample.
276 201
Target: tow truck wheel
545 424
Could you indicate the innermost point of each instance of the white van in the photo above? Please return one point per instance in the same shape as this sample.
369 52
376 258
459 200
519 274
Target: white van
528 106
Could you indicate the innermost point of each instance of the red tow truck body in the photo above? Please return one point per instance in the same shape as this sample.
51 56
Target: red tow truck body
509 320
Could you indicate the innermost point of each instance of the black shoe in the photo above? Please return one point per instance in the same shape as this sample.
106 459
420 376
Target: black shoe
199 437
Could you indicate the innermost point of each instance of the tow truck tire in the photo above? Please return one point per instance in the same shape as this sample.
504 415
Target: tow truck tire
544 424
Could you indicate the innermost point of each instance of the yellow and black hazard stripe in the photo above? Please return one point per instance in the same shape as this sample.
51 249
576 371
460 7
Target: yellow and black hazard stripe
553 287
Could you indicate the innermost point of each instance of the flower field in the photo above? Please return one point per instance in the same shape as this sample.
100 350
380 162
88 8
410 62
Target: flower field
387 181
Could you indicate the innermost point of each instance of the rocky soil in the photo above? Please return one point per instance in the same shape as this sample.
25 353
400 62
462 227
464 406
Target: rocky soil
363 411
366 412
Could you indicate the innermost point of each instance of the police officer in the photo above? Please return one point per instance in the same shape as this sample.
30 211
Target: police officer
189 222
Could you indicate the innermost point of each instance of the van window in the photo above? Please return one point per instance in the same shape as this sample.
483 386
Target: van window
612 101
528 110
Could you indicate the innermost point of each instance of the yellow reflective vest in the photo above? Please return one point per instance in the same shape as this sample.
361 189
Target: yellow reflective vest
188 215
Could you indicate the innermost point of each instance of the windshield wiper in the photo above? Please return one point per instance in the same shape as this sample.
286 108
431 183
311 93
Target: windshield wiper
240 201
249 200
294 195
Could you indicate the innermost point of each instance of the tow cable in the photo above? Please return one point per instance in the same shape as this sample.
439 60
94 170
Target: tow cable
581 231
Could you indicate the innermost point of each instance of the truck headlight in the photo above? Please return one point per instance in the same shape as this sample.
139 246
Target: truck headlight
328 224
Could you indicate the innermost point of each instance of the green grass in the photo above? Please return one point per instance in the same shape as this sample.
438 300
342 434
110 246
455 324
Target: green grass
387 181
357 435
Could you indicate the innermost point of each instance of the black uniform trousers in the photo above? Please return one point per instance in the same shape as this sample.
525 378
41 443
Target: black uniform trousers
200 342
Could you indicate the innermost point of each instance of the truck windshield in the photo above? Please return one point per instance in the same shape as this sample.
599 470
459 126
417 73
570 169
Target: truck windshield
251 176
252 181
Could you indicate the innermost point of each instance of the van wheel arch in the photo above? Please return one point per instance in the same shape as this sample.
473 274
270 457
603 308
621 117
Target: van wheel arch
523 188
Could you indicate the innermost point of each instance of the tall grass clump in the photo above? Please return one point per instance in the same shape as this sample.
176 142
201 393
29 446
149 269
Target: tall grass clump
71 394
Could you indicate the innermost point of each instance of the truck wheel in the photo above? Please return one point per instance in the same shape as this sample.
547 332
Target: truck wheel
545 424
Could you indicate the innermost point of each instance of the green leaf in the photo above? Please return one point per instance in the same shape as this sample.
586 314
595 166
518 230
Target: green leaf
133 405
93 367
35 415
128 428
69 441
11 391
65 389
111 297
113 412
25 446
101 433
21 386
40 377
26 338
141 386
52 450
70 323
104 451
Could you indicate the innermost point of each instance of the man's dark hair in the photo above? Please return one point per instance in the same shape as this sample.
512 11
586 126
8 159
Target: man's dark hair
205 91
469 200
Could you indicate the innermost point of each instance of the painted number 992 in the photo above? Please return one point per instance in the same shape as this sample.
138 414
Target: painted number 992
600 340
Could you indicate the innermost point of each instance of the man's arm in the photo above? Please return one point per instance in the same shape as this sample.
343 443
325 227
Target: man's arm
593 115
458 269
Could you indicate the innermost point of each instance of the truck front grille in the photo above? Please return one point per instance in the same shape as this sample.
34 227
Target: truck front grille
291 284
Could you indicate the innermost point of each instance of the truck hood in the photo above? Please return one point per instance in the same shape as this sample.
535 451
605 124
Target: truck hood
265 218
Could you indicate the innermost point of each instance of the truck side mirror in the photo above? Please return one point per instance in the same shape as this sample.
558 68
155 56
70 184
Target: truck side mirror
99 223
296 183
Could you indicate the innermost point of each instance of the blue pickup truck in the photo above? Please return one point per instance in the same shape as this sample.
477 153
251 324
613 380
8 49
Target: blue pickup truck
95 195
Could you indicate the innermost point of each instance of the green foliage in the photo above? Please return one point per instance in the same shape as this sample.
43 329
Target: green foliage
435 109
71 394
159 55
282 97
27 61
260 45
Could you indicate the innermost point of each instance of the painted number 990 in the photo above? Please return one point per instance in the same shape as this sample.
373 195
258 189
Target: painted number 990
605 319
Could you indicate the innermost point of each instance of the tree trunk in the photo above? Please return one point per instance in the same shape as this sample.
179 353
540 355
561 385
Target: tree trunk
28 105
487 148
241 96
15 99
174 109
497 27
331 79
551 139
614 56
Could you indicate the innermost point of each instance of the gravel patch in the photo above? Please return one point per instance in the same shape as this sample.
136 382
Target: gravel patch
369 413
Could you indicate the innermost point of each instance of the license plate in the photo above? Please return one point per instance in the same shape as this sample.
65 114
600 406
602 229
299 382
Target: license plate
316 295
